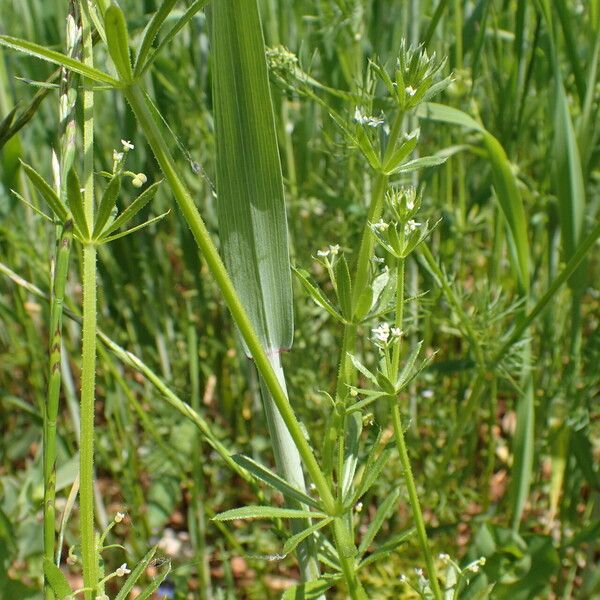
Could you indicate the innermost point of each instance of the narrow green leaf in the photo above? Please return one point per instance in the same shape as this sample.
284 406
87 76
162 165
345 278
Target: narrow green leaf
139 570
75 200
523 450
274 480
363 304
317 295
150 32
310 589
134 208
343 287
362 369
267 512
35 209
292 542
424 162
116 236
149 590
250 206
57 580
189 14
372 471
383 512
354 429
387 547
57 58
109 199
399 154
47 193
117 40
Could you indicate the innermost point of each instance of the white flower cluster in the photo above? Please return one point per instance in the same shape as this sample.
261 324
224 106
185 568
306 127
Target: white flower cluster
367 120
411 226
383 333
330 251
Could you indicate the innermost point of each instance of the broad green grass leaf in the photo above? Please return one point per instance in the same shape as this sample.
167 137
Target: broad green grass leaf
505 184
523 449
47 193
267 512
57 58
117 40
274 480
56 578
250 203
570 186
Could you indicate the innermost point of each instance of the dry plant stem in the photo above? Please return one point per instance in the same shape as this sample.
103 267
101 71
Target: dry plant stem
88 360
413 496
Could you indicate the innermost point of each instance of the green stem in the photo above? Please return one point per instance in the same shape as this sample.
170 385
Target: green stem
51 412
401 443
88 360
347 554
139 105
414 499
86 444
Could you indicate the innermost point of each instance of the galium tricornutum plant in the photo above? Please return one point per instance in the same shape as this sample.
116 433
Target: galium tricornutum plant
388 155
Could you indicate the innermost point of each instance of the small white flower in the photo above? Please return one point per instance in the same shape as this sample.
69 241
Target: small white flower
312 487
367 120
381 333
411 226
427 394
413 134
444 557
127 145
410 90
335 249
119 517
381 225
474 568
403 579
396 332
378 260
419 572
323 253
123 570
117 156
358 507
